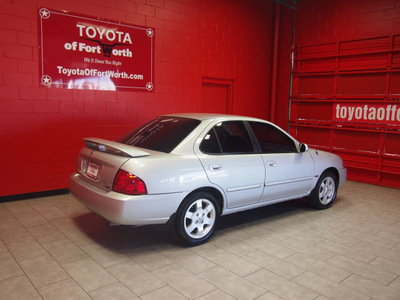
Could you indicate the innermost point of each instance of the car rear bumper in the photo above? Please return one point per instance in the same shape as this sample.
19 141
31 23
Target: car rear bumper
125 209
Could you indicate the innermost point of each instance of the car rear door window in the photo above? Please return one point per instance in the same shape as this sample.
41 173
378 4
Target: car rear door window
229 137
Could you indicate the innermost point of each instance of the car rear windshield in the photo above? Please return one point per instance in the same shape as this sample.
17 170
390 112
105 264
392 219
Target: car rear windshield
163 134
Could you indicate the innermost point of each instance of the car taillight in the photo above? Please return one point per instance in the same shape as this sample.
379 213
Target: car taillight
128 183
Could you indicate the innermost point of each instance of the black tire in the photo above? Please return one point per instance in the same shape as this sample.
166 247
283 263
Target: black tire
324 193
197 218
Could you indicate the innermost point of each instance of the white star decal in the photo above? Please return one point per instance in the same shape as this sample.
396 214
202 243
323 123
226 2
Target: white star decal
150 32
149 86
44 13
46 80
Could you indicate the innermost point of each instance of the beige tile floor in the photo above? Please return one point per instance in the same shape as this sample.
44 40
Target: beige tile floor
54 248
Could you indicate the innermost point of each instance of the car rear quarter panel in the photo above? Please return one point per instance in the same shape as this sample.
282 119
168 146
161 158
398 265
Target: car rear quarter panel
168 173
126 209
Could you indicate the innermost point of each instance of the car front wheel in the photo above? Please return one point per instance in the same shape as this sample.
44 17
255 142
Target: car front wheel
324 192
197 218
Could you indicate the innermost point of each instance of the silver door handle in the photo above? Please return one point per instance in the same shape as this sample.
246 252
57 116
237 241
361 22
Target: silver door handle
215 167
271 164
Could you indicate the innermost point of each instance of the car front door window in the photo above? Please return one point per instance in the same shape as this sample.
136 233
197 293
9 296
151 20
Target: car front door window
288 173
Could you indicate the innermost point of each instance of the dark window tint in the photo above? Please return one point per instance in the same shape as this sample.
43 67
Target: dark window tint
271 139
162 134
227 138
210 143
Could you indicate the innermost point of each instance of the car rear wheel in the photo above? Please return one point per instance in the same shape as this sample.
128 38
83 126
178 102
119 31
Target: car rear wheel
197 218
324 193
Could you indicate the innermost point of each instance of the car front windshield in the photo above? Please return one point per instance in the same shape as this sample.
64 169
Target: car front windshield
162 134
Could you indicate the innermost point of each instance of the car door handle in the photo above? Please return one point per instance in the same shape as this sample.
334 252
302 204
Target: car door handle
271 164
215 167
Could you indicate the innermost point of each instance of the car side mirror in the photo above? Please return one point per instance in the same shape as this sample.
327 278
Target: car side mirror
303 148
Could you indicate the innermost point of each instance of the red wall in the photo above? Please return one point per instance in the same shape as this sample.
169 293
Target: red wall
41 129
348 55
321 22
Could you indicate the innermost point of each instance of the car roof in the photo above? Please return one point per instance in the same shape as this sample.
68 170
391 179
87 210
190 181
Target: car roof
207 116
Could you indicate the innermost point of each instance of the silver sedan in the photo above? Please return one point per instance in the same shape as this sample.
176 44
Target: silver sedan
189 169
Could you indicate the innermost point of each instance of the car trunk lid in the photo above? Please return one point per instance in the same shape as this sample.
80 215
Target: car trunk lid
100 160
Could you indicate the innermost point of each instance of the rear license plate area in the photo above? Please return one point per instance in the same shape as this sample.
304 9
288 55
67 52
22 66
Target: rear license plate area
93 170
